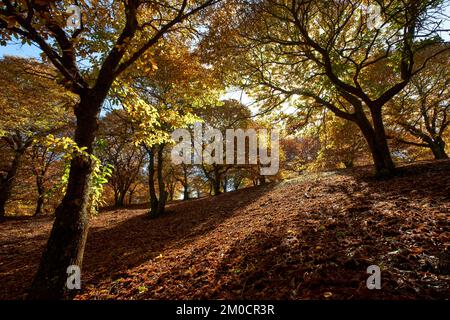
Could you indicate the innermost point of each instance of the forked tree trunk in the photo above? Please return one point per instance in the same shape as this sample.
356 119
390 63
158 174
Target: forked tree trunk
157 205
65 246
438 148
376 139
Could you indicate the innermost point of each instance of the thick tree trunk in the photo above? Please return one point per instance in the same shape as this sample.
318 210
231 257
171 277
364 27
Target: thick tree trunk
377 142
438 148
8 181
65 246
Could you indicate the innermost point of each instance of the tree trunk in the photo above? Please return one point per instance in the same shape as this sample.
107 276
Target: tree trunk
116 198
216 187
130 194
216 180
185 184
40 200
348 164
8 181
262 180
185 192
377 142
151 183
121 199
65 246
237 183
225 184
157 205
161 186
438 148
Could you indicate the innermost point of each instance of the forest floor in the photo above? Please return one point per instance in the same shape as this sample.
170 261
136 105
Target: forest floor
308 238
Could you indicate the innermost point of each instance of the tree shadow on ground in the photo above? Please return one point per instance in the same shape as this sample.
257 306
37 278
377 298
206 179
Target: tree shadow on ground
112 250
312 240
396 224
119 242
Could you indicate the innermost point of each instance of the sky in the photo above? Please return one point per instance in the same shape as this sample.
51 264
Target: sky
17 49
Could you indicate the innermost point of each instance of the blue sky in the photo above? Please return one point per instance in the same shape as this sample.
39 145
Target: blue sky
17 49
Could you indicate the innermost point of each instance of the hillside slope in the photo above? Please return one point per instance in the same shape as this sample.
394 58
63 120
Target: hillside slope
310 238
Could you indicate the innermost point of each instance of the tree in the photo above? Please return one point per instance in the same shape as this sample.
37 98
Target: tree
340 143
109 46
182 173
421 112
168 96
117 148
26 84
222 116
308 52
299 153
42 160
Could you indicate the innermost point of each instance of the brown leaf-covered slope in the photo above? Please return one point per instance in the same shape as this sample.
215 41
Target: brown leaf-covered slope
310 238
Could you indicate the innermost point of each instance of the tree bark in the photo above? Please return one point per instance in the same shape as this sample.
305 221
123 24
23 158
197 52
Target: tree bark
348 164
121 198
39 205
216 186
65 246
377 142
157 205
225 184
185 184
151 183
438 148
185 192
8 181
161 185
40 200
262 180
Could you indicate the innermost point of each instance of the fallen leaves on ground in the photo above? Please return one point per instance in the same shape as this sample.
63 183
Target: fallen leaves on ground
300 239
